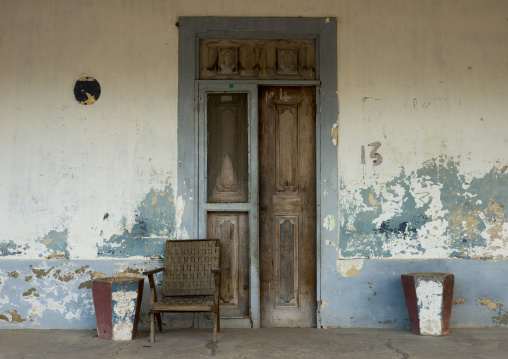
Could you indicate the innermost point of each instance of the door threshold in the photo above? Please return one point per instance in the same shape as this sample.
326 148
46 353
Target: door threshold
237 322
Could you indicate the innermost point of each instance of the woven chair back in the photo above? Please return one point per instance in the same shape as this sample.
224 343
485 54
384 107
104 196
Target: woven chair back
188 266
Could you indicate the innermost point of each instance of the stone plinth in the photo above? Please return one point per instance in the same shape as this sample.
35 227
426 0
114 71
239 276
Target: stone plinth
117 303
429 299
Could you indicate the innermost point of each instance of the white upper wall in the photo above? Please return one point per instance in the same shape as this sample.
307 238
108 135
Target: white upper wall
424 78
64 164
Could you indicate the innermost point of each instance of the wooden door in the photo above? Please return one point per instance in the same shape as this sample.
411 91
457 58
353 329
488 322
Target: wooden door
227 194
287 205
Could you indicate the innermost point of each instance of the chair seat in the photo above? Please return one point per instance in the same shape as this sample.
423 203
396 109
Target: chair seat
184 304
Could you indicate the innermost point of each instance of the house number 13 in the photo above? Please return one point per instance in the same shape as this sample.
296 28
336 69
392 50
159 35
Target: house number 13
373 154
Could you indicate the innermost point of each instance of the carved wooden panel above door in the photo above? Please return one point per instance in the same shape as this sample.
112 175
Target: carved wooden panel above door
257 59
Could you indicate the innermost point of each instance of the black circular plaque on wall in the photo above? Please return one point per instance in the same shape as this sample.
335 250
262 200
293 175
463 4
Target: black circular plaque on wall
87 90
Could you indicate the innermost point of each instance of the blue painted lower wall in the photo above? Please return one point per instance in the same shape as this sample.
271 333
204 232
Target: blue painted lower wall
55 294
374 297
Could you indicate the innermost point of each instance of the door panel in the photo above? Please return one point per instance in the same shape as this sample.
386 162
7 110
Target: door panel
286 260
287 196
232 230
227 155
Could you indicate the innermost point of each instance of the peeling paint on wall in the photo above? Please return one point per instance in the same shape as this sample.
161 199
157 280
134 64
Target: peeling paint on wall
372 200
57 294
9 248
13 274
93 275
50 288
387 321
56 244
349 267
39 273
433 212
180 205
335 134
154 224
14 317
501 318
130 272
489 303
31 292
143 225
329 222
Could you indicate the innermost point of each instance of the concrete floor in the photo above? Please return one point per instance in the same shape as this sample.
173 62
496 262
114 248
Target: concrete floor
258 343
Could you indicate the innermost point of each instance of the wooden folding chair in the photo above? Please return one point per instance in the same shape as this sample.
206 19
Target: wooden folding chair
190 281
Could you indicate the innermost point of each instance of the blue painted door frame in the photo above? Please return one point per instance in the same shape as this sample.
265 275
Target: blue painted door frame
324 31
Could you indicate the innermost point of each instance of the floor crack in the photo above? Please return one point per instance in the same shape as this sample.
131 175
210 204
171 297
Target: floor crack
119 350
405 355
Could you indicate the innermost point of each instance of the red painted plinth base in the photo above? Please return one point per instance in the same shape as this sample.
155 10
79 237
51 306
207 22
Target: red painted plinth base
117 303
429 298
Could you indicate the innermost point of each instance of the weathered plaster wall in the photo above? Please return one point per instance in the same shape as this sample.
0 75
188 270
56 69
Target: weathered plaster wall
57 294
82 174
437 107
422 159
90 186
91 189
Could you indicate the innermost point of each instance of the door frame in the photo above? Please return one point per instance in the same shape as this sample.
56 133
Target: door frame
324 31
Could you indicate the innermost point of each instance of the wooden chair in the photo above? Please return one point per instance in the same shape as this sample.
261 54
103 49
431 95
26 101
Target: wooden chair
190 281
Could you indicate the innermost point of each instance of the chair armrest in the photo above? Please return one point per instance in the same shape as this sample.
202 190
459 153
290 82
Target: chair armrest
152 272
153 293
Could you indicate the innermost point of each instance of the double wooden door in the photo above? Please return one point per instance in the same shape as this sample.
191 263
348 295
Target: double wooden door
282 205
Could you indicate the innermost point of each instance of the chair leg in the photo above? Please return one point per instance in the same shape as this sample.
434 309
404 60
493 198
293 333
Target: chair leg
152 327
218 319
215 325
159 321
